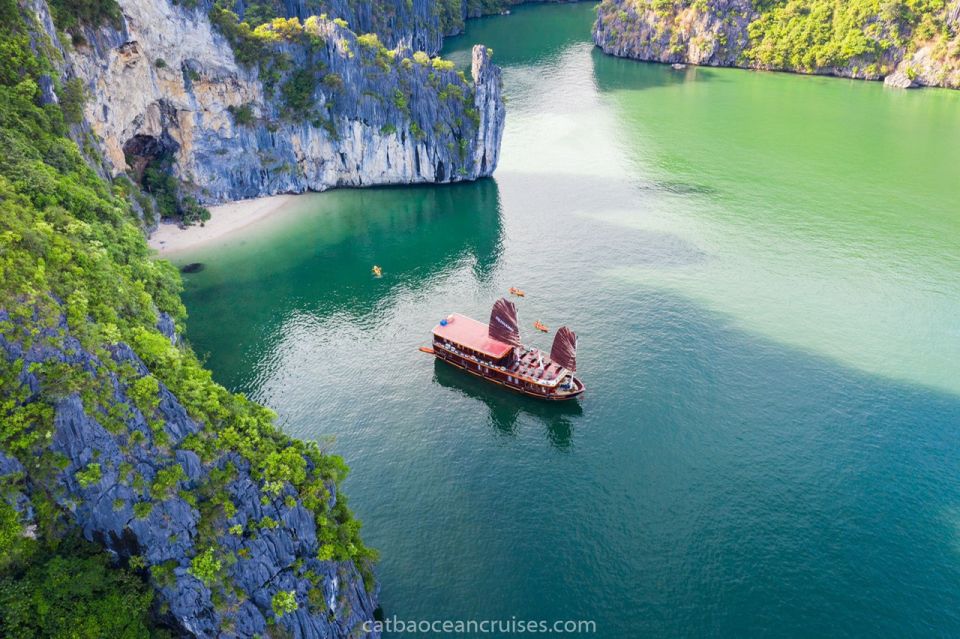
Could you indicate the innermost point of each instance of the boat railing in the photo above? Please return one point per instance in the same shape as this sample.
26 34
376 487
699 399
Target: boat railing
532 378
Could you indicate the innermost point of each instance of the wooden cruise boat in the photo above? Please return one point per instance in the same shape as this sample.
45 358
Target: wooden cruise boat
494 352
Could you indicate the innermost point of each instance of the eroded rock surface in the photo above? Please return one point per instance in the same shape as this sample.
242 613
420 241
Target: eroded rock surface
166 86
719 33
274 538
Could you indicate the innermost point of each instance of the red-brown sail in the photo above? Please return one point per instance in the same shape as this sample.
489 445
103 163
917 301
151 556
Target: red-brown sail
504 326
564 351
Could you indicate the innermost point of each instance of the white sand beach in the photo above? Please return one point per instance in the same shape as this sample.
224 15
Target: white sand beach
225 219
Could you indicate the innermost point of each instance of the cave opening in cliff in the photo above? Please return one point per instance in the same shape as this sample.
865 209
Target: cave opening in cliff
144 152
150 160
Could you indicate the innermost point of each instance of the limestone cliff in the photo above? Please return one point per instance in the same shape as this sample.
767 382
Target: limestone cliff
872 40
328 109
149 500
419 24
936 61
111 426
714 33
416 24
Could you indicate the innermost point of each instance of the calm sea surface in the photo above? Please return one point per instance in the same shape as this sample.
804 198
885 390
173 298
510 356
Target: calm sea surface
764 272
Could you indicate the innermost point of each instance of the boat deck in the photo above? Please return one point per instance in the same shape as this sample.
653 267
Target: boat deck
529 365
525 367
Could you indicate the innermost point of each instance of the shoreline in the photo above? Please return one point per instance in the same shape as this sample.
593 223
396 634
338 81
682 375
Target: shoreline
225 219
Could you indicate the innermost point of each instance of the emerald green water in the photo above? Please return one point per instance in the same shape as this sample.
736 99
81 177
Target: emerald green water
764 272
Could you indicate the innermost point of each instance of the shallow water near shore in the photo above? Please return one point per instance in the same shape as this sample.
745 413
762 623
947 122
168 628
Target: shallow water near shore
764 273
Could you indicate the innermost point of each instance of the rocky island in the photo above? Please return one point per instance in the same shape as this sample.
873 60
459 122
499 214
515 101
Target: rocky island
295 105
904 43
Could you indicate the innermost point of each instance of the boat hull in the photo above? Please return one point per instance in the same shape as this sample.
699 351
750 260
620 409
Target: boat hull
496 376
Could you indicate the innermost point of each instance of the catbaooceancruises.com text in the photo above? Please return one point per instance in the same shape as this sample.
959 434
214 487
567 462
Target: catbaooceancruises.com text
511 626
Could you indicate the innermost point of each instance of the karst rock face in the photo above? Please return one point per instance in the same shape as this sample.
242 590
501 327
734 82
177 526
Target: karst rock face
165 85
311 106
332 598
712 33
718 33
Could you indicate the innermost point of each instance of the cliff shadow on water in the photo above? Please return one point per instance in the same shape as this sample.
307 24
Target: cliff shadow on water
524 37
318 260
507 409
623 74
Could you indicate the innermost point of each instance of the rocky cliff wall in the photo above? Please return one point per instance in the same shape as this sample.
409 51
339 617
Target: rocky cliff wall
907 48
936 61
320 108
148 501
416 24
111 426
713 34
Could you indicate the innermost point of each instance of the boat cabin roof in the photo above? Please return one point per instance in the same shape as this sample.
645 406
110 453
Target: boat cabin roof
469 333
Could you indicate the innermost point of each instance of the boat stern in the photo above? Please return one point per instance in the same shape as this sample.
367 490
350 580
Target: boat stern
575 388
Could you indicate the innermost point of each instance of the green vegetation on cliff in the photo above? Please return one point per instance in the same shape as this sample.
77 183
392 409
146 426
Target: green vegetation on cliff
807 35
71 15
383 17
855 38
74 593
263 47
71 248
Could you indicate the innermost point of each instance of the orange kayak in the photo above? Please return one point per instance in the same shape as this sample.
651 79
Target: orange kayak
540 326
517 292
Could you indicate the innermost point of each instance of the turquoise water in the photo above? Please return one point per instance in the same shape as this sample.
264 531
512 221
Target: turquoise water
764 272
